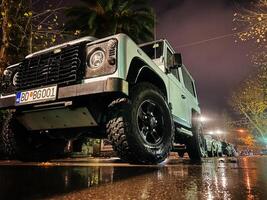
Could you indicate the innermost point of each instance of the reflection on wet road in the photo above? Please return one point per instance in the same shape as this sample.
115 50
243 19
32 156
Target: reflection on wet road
245 178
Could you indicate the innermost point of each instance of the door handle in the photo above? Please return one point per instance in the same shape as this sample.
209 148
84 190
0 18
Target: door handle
183 96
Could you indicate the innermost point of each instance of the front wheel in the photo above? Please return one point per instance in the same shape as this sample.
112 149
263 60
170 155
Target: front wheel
141 128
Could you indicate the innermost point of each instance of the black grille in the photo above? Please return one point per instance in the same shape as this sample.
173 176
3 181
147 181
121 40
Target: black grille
50 68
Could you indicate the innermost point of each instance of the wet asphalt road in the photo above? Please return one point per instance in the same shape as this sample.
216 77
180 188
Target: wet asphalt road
224 178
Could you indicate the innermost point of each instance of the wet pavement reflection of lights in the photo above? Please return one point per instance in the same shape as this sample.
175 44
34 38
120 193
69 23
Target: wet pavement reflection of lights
247 179
222 178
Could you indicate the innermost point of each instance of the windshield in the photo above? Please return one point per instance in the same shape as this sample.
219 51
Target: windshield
153 50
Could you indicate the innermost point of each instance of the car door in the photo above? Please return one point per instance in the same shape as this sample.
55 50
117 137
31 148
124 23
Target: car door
177 97
189 92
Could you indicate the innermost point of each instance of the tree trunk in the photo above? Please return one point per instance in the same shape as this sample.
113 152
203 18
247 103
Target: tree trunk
5 35
30 39
30 31
253 123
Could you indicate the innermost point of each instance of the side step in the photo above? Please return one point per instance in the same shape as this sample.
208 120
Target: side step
184 131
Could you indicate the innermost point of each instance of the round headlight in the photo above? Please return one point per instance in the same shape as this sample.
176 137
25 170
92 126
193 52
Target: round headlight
7 72
15 79
97 59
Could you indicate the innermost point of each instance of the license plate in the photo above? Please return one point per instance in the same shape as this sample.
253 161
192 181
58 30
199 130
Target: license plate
36 95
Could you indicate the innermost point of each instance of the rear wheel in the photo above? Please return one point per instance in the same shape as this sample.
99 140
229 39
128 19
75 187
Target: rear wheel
141 129
196 145
21 144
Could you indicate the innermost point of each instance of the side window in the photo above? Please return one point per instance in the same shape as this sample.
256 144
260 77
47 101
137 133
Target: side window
170 63
189 84
169 58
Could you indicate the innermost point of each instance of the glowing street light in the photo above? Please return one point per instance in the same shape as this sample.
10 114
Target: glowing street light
215 132
210 132
218 131
203 119
241 130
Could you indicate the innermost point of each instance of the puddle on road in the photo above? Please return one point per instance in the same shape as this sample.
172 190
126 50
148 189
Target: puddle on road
176 179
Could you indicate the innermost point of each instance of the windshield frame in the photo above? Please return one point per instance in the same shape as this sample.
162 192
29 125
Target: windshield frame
156 55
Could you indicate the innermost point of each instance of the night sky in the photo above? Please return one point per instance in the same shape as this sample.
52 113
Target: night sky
218 65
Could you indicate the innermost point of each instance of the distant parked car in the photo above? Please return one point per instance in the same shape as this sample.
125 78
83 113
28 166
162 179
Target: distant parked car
219 148
228 149
214 146
245 152
263 152
209 145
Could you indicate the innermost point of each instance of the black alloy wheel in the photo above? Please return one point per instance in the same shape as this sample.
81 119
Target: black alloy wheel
150 122
140 128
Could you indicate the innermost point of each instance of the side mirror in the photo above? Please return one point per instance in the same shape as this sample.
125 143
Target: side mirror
177 60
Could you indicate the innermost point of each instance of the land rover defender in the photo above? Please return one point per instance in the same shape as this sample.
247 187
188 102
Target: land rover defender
141 97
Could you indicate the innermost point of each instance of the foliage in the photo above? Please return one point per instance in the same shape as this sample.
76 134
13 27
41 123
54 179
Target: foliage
248 141
253 20
44 28
5 30
227 127
251 101
102 18
27 29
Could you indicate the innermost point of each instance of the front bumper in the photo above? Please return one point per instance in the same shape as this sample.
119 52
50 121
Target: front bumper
78 90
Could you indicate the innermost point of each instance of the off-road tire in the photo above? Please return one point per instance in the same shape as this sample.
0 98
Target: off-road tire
18 143
196 147
123 126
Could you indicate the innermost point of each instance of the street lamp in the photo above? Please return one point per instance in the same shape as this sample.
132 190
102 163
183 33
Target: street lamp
210 132
241 130
215 132
203 119
218 131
